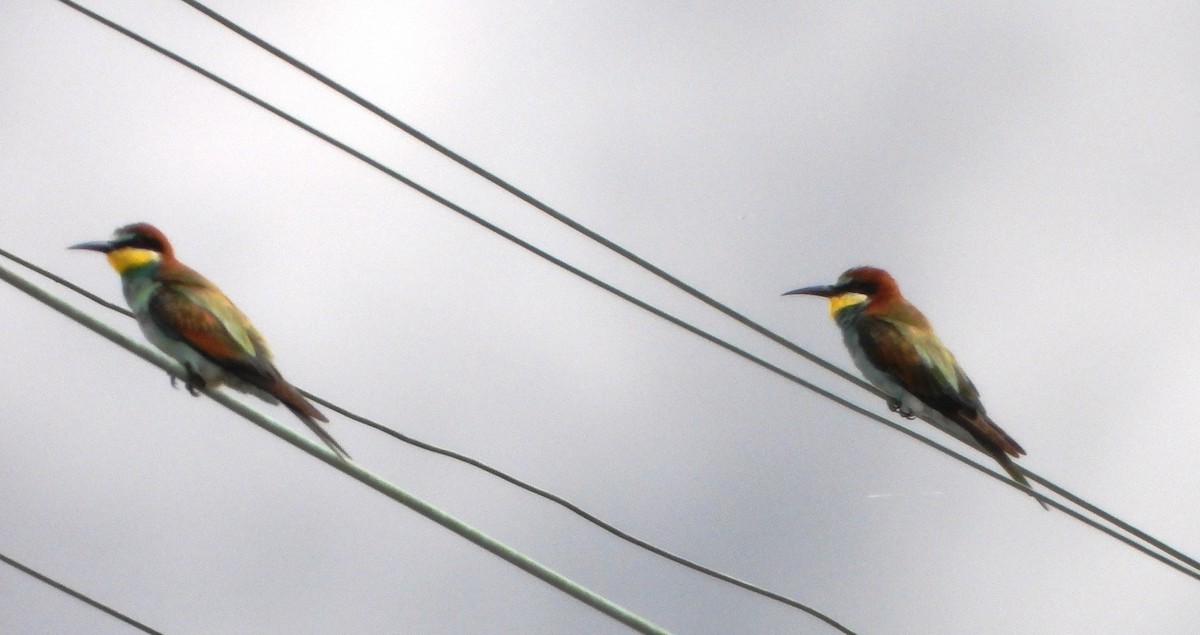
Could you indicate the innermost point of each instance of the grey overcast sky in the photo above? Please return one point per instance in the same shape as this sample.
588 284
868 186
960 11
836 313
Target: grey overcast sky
1027 170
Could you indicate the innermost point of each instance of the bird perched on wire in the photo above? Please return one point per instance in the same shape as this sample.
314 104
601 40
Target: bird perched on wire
190 319
895 347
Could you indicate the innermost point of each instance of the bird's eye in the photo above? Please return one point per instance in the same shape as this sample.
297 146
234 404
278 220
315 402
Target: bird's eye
144 242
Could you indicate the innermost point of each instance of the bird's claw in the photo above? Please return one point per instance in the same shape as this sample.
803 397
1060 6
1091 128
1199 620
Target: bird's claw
194 382
895 406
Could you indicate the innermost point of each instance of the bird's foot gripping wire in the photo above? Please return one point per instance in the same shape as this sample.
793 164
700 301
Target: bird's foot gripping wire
894 406
194 382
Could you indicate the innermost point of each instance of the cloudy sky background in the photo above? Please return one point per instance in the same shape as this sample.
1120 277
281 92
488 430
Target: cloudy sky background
1028 173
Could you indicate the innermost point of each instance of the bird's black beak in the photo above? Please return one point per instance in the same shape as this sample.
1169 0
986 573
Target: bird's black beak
825 291
102 246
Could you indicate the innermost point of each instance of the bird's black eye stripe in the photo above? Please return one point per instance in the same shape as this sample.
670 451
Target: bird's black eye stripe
859 286
864 287
140 241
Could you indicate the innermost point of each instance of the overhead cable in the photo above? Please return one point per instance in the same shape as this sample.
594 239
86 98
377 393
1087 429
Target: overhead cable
351 469
568 505
558 262
78 596
531 200
631 256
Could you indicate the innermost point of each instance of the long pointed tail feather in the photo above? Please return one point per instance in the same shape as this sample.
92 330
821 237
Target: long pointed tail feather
262 378
308 413
1016 475
319 430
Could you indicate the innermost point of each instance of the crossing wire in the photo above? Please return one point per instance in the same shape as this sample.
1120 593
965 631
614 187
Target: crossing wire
558 500
531 200
78 596
1191 572
351 469
636 259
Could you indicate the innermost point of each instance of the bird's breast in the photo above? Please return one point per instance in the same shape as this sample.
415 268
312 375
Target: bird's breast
878 378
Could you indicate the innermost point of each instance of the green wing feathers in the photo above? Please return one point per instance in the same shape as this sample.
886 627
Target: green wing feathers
223 316
188 308
924 367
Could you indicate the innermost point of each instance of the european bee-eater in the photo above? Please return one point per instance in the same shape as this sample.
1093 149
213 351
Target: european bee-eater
188 318
895 347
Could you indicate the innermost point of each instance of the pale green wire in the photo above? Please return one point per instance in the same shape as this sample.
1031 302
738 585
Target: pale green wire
566 504
1194 572
538 570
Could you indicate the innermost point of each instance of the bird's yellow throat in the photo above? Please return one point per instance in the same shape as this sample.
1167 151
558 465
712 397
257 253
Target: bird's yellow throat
839 302
127 258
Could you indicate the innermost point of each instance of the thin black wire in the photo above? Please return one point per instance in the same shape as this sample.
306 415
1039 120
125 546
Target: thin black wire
585 276
489 469
66 283
501 550
79 596
578 511
629 255
697 567
566 504
1110 518
549 496
528 198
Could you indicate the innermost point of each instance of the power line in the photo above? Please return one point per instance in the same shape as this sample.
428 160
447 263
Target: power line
662 314
566 504
578 511
78 596
629 255
495 229
531 200
441 200
53 277
1112 519
512 556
